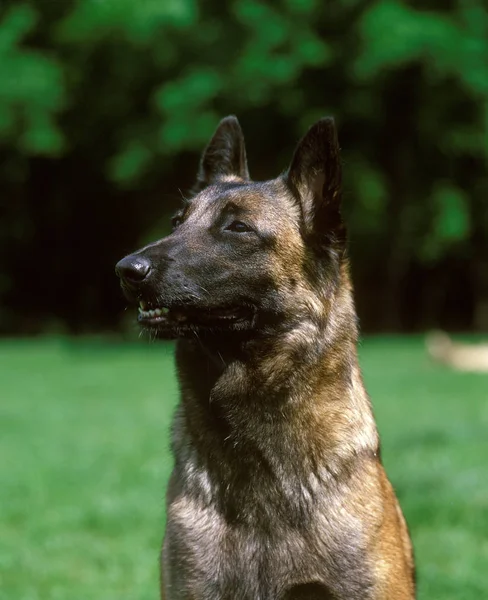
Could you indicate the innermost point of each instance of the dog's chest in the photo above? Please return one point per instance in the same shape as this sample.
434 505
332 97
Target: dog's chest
216 560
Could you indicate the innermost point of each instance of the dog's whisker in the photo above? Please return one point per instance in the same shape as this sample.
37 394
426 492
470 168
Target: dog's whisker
202 288
183 197
222 359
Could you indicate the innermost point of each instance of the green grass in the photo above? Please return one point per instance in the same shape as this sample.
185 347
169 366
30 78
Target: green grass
84 451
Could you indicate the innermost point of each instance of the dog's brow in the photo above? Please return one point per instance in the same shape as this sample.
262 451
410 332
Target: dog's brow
231 206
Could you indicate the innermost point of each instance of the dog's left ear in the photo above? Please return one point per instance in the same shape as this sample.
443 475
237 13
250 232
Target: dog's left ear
315 178
224 156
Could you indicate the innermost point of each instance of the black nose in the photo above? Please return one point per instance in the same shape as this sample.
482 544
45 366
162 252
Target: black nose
133 269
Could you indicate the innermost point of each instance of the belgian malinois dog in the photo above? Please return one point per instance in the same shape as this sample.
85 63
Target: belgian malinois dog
278 491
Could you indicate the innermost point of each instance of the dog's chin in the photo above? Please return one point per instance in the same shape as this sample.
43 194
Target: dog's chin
187 321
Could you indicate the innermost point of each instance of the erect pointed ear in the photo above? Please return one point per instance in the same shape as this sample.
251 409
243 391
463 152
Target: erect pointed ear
225 154
315 178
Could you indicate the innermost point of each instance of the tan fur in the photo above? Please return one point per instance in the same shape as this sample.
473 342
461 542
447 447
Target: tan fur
278 491
335 433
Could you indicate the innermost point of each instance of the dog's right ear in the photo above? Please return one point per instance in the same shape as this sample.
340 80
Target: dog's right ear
224 156
314 177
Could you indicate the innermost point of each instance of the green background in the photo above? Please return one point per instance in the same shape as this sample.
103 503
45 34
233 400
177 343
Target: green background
85 458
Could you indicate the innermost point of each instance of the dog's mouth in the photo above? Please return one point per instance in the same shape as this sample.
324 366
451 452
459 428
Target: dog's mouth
189 316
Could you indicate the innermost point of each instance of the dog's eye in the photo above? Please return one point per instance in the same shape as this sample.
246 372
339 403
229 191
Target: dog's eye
176 222
238 227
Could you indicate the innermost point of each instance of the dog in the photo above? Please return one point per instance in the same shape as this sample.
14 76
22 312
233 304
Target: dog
460 357
278 491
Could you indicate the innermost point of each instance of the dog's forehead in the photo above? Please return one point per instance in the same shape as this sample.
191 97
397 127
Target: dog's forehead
262 200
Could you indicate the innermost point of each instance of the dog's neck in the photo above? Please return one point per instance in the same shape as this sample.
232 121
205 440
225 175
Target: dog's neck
292 404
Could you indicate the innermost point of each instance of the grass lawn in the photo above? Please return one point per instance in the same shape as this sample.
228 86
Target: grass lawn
84 451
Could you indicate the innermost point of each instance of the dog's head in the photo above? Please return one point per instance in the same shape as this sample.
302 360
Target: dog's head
245 255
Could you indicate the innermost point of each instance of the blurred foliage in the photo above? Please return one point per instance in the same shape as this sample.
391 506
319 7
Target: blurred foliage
105 103
32 89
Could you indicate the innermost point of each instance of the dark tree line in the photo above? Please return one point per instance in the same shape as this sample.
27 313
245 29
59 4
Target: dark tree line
105 106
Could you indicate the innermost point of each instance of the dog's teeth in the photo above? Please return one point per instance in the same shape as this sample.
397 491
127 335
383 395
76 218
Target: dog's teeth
156 312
